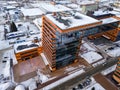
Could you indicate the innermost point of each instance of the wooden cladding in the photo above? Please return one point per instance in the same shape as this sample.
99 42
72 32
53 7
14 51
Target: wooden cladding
48 41
28 54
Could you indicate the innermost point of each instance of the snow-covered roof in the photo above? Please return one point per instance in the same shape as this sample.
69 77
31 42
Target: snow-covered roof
104 12
74 6
109 20
100 12
114 53
91 56
12 2
114 50
32 12
48 7
103 1
10 7
87 2
26 44
70 19
63 1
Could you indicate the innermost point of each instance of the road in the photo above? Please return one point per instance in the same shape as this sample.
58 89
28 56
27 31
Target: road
89 72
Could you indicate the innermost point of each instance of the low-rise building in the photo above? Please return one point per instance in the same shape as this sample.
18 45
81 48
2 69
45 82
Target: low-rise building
27 50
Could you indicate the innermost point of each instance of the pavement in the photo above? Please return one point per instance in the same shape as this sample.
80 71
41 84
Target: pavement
89 72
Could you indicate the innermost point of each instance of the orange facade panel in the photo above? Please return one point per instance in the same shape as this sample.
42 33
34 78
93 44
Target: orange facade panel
48 42
116 78
28 54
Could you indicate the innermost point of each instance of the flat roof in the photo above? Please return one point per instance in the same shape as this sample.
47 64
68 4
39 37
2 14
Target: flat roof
87 2
48 7
70 19
109 20
24 46
32 12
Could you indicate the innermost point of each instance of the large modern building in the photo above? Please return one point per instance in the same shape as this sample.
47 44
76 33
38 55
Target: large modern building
62 33
116 75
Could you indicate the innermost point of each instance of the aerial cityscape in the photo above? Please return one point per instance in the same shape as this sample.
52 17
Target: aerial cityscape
59 44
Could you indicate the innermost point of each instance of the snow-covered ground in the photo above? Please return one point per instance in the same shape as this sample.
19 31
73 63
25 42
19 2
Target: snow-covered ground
5 63
4 45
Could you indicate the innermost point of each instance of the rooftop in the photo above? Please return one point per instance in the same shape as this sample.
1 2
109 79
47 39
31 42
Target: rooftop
70 19
20 47
48 7
109 20
31 12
